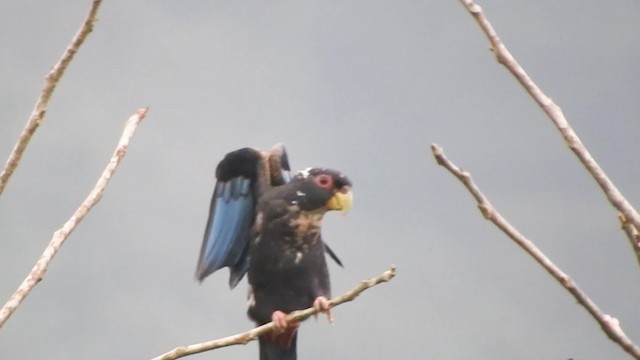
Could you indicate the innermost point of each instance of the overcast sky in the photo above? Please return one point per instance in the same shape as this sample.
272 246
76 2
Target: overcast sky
362 86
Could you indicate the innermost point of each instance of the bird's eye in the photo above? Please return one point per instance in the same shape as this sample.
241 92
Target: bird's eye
324 181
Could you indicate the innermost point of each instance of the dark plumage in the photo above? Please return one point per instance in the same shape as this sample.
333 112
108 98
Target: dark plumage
287 267
264 223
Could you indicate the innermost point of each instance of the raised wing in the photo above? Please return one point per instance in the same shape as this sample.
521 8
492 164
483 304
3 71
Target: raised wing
231 215
279 168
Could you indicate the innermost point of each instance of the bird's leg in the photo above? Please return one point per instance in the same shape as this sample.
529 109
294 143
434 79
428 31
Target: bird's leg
321 304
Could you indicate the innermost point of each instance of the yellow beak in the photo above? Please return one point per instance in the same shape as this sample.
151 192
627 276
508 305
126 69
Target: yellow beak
341 201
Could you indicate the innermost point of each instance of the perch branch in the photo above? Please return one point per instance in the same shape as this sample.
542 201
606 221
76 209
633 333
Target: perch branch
610 325
50 83
41 266
301 315
554 112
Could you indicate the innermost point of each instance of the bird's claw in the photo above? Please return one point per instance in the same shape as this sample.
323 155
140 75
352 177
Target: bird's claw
280 322
321 304
283 330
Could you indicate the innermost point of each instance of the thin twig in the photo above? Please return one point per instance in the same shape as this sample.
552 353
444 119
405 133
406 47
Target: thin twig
50 83
554 112
245 337
632 234
610 325
41 266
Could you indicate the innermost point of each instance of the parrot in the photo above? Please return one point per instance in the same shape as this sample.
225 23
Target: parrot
267 224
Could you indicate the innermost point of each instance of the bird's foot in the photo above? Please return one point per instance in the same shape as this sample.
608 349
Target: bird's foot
283 330
321 304
281 323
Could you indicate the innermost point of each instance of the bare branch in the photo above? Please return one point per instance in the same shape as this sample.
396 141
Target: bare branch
632 234
554 112
245 337
50 83
41 266
610 325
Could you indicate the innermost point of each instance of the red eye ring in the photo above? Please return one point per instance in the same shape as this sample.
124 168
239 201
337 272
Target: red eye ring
324 181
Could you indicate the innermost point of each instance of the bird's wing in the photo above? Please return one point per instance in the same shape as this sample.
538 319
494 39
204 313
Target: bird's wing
231 215
331 254
279 168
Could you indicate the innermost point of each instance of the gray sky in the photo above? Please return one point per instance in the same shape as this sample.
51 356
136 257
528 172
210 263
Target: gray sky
360 86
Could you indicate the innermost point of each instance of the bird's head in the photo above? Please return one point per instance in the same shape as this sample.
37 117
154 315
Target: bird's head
321 189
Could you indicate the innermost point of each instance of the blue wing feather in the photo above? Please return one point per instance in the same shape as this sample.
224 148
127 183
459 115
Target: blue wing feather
228 228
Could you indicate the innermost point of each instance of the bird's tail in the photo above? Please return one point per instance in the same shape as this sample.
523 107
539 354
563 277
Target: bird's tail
278 347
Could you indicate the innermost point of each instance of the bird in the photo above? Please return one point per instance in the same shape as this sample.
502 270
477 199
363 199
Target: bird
268 224
242 177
